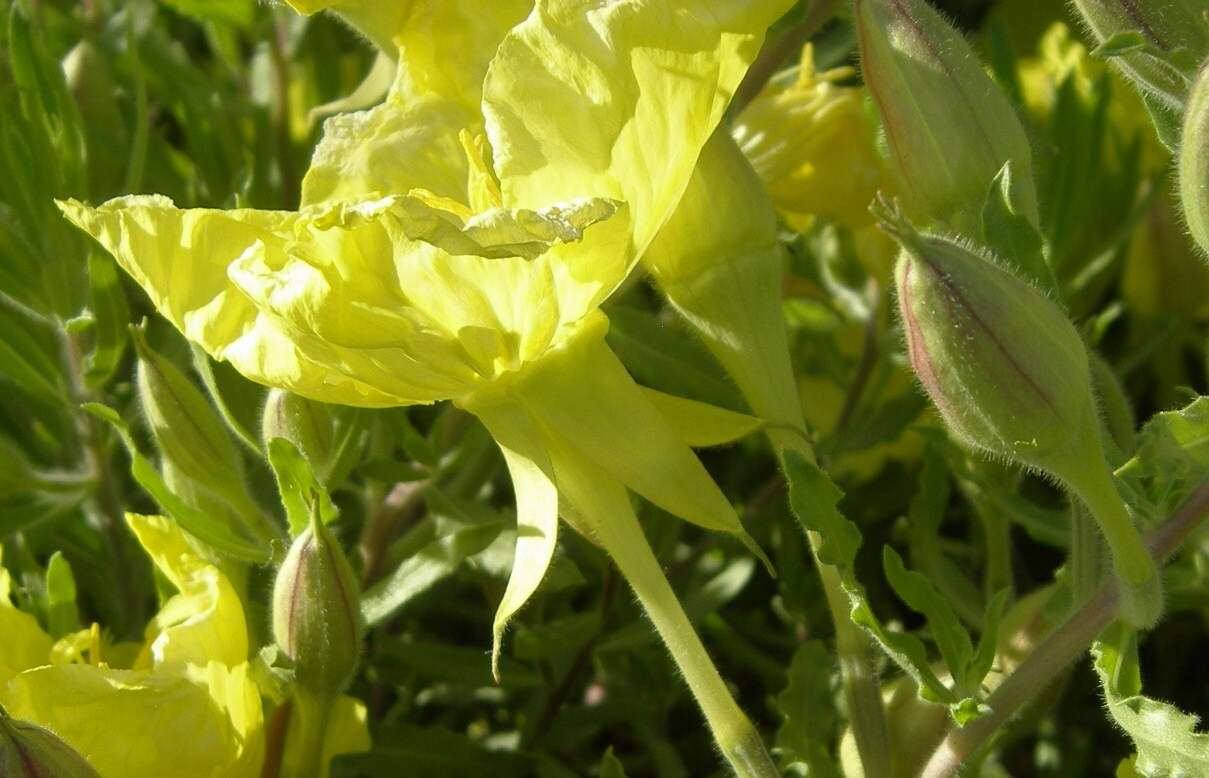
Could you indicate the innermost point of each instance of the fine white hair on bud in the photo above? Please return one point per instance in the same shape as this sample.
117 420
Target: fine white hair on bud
317 618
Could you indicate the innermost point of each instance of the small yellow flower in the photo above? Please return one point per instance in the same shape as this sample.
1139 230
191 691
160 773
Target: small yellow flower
184 705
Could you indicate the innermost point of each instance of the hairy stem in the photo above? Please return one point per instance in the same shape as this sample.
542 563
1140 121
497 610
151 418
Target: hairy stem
1063 646
740 742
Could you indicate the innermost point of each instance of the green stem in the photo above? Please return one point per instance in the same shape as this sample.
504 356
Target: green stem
735 308
1063 646
304 743
740 742
862 689
1084 562
1141 587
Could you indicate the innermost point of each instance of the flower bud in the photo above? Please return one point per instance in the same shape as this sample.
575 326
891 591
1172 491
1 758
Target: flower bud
1175 37
1010 375
29 751
317 613
814 145
1194 162
307 424
186 427
949 127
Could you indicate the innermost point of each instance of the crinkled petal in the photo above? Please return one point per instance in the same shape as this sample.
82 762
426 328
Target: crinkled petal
586 98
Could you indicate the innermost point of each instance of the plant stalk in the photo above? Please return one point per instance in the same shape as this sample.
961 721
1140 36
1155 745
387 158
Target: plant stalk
308 729
1063 646
740 742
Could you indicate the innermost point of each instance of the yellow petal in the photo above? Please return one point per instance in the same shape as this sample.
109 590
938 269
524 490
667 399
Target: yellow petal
204 621
141 724
536 536
347 730
446 45
700 424
580 397
629 93
24 644
411 141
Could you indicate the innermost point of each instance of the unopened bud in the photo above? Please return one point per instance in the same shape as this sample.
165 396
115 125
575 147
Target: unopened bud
949 127
1194 162
309 425
186 427
29 751
1172 37
1010 375
316 612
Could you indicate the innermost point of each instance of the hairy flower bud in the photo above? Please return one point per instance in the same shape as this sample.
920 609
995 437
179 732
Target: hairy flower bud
950 128
1010 375
307 424
187 429
316 612
29 751
1194 162
1172 37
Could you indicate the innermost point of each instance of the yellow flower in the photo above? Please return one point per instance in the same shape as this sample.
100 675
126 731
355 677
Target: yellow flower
456 241
186 706
812 142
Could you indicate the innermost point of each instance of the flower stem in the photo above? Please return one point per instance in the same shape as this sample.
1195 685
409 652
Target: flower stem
1141 587
1063 646
308 727
862 690
740 742
1084 561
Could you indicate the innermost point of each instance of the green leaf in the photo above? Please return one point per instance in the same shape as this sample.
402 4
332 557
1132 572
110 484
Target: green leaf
807 706
664 358
443 663
1166 738
1122 43
610 766
988 643
925 514
1012 237
1168 124
62 612
239 13
404 749
430 564
922 597
205 527
111 316
24 361
1172 459
813 498
301 492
